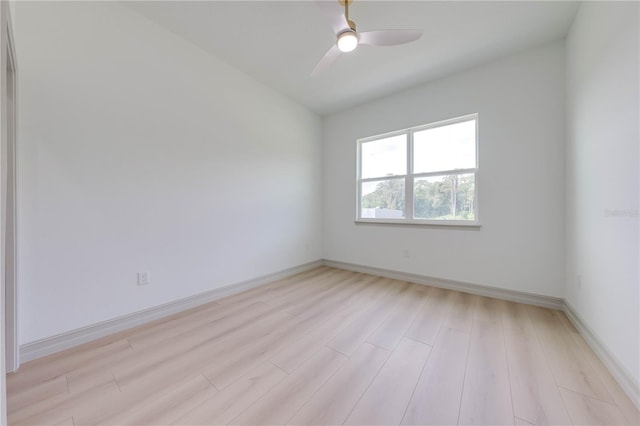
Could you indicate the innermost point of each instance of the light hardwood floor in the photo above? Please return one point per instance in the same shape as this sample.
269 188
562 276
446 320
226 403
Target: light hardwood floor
329 346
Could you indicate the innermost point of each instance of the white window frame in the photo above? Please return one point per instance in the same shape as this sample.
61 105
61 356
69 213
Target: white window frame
410 177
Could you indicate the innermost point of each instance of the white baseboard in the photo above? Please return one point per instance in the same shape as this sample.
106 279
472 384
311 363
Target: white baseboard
622 376
53 344
497 293
57 343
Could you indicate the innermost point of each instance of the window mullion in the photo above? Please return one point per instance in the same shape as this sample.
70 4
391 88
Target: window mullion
408 183
359 181
381 179
445 173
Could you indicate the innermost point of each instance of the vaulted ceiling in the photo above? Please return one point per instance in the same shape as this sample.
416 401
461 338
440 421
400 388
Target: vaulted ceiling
280 42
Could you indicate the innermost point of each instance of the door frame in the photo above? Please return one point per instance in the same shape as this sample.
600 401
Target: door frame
10 204
8 217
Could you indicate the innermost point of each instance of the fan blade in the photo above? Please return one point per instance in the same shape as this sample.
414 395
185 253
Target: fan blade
335 13
389 37
328 58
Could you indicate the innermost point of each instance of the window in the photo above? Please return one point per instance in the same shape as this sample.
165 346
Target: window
423 175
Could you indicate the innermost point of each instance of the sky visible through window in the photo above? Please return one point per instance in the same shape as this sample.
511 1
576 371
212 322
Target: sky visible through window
442 148
445 148
384 157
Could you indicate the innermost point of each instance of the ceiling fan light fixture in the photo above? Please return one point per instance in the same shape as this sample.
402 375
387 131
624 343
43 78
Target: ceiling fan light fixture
348 38
347 41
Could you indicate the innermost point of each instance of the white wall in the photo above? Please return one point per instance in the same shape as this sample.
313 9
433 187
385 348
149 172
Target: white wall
140 152
520 101
603 51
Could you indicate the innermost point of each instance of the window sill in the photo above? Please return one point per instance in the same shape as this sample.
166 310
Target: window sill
440 224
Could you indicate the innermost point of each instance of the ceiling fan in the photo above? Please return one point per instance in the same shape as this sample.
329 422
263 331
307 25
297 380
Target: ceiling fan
347 38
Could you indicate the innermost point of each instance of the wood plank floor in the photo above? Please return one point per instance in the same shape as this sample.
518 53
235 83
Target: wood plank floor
328 346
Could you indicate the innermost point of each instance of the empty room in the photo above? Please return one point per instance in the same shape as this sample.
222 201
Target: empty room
323 212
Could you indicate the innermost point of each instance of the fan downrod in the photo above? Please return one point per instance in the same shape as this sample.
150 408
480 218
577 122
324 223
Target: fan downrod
346 4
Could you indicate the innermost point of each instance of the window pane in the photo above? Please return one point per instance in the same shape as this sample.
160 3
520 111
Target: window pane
450 197
382 199
384 157
443 148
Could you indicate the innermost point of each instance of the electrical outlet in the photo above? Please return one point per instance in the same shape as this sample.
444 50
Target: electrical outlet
144 278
